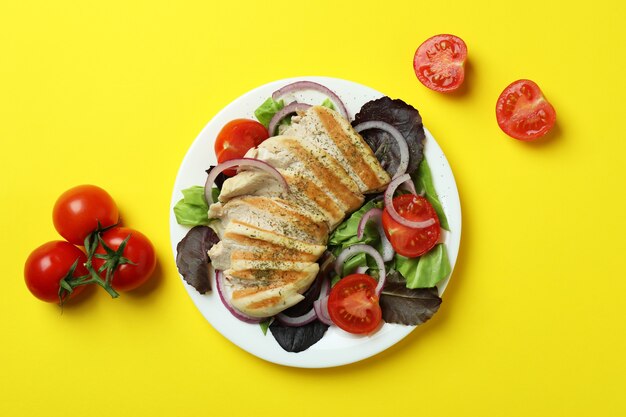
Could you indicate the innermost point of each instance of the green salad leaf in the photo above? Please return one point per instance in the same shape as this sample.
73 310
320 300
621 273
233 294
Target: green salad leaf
423 180
265 324
192 209
345 234
329 104
270 107
425 271
267 110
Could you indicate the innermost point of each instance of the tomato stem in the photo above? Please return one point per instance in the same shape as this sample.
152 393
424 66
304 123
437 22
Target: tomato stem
112 260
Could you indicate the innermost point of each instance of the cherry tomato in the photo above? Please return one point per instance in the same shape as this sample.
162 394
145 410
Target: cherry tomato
47 265
523 112
353 304
77 211
408 241
236 138
138 250
439 62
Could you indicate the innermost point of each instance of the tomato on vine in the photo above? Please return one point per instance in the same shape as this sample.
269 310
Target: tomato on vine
137 253
50 263
79 211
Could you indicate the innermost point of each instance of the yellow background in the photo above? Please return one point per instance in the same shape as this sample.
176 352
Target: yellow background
533 322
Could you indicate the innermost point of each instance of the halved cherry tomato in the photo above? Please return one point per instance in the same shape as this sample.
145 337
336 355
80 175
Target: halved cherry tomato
353 304
523 112
78 210
47 265
405 240
439 62
236 138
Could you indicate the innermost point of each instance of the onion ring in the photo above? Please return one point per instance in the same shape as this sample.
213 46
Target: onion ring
310 85
397 135
297 321
353 250
375 214
220 284
284 112
321 309
391 189
255 163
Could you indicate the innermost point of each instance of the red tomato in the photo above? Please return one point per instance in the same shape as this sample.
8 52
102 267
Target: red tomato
353 304
138 250
236 138
47 265
408 241
77 211
439 62
523 112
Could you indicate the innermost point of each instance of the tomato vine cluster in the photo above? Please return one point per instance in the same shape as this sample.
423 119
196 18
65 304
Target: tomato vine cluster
114 257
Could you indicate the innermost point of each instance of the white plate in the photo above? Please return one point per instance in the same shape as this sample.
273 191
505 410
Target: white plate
336 347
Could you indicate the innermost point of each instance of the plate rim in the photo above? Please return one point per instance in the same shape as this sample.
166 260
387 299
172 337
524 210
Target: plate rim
394 332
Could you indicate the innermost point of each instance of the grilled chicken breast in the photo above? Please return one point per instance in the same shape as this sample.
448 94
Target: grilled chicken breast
271 238
326 129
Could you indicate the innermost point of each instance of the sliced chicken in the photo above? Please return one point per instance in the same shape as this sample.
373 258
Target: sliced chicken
316 180
267 247
270 237
326 129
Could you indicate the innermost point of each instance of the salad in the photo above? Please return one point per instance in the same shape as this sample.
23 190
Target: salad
378 267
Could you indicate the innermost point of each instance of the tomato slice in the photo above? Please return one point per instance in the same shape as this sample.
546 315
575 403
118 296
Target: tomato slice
236 138
408 241
523 112
439 62
353 304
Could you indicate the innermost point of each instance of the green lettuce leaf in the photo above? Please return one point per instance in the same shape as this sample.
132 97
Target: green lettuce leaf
425 271
423 180
265 324
345 234
329 104
194 196
192 209
267 110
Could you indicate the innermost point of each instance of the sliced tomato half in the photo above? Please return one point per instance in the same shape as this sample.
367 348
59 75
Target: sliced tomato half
439 62
353 304
236 138
408 241
523 112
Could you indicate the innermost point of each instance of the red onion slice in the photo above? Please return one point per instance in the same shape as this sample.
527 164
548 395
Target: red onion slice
221 288
410 187
397 135
321 309
284 112
297 321
355 249
325 289
310 85
321 304
391 189
251 162
361 269
375 214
